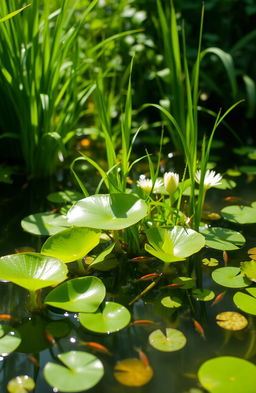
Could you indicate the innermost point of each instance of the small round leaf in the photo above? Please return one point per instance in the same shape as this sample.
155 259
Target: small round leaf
230 277
223 238
9 340
173 340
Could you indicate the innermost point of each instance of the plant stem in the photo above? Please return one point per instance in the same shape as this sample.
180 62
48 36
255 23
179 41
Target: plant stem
34 301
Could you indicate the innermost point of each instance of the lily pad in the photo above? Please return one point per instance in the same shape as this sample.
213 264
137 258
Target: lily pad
248 268
223 238
173 340
9 340
21 384
230 277
174 245
171 302
249 170
210 262
133 372
226 184
82 371
65 196
58 328
83 294
32 271
108 211
246 302
252 253
203 294
110 318
44 223
231 320
239 214
71 244
226 374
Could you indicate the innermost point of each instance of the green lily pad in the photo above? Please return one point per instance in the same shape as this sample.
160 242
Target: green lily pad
9 340
246 302
253 204
249 170
21 384
203 294
171 302
226 184
239 214
115 211
71 244
82 371
32 271
226 374
108 319
174 245
58 328
252 155
248 269
105 260
173 340
44 223
233 172
244 150
210 262
223 238
65 196
83 294
230 277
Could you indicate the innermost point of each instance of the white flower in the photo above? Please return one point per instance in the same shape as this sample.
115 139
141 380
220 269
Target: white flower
147 184
171 182
211 178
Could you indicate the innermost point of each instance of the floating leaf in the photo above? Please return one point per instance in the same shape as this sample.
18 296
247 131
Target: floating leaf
133 372
239 214
44 223
231 320
230 277
65 196
171 302
83 294
186 282
210 262
58 328
226 184
174 245
233 172
32 271
9 340
173 340
226 374
244 150
82 371
71 244
223 238
248 268
108 319
114 211
252 253
203 294
249 170
246 302
21 384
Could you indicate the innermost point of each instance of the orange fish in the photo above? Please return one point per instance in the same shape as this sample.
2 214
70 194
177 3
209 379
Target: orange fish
225 258
141 258
232 199
33 360
218 298
174 285
6 317
96 347
199 328
49 338
143 322
148 277
142 357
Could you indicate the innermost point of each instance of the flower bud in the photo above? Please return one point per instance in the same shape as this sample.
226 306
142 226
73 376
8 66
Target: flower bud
171 182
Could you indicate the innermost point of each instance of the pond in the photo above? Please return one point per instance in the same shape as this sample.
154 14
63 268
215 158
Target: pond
153 331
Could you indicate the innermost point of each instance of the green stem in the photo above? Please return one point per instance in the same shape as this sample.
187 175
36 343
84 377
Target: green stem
34 301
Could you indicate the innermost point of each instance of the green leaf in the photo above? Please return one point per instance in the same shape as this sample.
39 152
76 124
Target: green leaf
21 384
108 211
171 302
83 294
230 277
14 13
210 262
58 329
226 374
82 371
44 223
71 244
239 214
249 170
246 302
223 238
108 319
174 245
226 184
187 282
105 260
32 271
248 269
9 340
203 294
65 196
173 340
33 335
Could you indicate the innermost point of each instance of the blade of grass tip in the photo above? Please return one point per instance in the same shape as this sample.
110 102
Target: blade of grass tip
243 41
80 183
251 96
14 13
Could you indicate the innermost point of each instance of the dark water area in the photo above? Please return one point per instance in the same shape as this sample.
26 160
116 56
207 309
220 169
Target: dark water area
174 372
